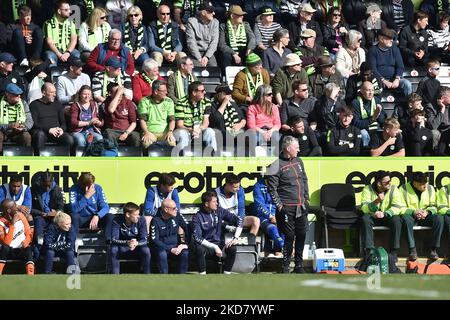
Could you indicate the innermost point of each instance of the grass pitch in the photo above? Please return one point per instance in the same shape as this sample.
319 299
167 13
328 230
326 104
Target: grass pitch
231 287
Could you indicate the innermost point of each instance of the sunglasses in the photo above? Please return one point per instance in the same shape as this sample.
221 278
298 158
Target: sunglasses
103 18
303 90
134 15
269 94
165 13
435 69
336 14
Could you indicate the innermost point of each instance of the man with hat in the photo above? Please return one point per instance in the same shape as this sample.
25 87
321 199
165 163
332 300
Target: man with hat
15 117
236 39
310 51
70 82
49 122
225 115
305 14
7 74
265 28
249 79
325 73
202 36
371 26
387 63
112 73
284 77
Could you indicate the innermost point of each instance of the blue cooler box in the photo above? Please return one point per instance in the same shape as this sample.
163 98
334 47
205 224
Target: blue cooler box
328 259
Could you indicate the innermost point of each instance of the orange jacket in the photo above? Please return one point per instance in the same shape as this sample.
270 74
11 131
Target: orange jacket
7 231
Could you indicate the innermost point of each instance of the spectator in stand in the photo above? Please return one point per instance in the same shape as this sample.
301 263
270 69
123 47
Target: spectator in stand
136 36
202 36
59 241
207 233
387 63
368 114
355 11
285 77
355 82
388 142
168 238
403 111
114 47
192 119
165 38
85 125
129 239
397 13
119 115
89 206
274 56
185 9
179 81
8 75
15 236
310 51
439 39
371 27
264 28
289 10
93 32
112 73
418 138
27 39
117 11
142 81
414 41
236 39
309 147
255 7
344 139
299 105
325 73
60 35
15 117
49 123
434 8
428 87
157 116
350 57
263 118
324 7
327 108
70 82
334 31
305 14
248 80
438 116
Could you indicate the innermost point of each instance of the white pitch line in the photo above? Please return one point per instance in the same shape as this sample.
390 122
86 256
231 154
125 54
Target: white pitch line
332 284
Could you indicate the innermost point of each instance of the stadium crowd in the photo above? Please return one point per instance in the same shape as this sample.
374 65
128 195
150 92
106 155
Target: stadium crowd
78 79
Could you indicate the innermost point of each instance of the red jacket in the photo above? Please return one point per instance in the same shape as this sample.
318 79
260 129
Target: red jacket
141 88
93 66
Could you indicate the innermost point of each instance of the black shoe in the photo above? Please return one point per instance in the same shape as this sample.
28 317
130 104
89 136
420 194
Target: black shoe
285 269
394 255
413 254
299 269
433 255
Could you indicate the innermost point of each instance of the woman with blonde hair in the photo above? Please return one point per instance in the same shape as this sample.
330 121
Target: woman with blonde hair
350 57
92 32
135 35
263 117
59 240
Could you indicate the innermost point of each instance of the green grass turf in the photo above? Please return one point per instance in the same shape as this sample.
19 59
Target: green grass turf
233 287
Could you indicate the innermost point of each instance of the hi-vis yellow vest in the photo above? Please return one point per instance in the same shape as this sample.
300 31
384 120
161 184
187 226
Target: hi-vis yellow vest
426 202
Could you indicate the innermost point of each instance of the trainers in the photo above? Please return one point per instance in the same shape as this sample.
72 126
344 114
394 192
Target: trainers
433 255
285 269
299 269
412 254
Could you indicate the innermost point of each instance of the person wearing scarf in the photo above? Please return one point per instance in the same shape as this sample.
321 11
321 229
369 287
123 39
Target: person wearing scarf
236 40
179 81
142 82
135 35
60 35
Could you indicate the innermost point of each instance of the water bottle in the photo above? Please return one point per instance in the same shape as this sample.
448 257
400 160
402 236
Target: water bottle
312 249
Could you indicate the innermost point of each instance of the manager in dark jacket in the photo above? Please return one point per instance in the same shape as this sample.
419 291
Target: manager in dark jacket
288 186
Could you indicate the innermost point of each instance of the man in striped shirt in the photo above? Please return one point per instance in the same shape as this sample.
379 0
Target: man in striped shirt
192 121
112 73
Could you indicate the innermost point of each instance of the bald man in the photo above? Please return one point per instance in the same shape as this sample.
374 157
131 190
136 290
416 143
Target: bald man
15 236
49 120
168 237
